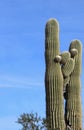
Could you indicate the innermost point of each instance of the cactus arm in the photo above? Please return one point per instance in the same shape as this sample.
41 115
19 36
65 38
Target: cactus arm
73 103
67 69
65 57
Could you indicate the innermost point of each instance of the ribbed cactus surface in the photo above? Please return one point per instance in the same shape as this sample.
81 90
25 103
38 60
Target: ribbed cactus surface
73 102
62 80
53 78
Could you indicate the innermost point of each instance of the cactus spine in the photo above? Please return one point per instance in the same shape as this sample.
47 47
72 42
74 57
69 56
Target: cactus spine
73 101
53 78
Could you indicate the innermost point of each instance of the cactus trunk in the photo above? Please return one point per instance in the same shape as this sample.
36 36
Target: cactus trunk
53 78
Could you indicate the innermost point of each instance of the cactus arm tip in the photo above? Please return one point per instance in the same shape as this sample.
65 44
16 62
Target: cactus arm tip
53 22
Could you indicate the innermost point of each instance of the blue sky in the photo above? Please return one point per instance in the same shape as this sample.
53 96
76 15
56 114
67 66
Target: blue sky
22 64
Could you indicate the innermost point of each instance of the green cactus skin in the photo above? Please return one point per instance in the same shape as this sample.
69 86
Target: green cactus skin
64 57
73 115
66 82
68 67
53 78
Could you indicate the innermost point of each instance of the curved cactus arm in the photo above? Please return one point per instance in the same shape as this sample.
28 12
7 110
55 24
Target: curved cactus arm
68 68
67 63
65 57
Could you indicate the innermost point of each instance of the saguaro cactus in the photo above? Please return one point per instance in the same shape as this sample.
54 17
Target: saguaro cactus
62 77
73 102
53 78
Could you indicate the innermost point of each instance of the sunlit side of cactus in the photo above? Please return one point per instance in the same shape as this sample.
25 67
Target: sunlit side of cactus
53 77
73 115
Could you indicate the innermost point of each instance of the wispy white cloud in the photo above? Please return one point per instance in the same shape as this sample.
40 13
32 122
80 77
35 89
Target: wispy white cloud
19 82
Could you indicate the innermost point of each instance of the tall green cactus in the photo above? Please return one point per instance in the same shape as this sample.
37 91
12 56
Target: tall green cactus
62 77
53 78
73 113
